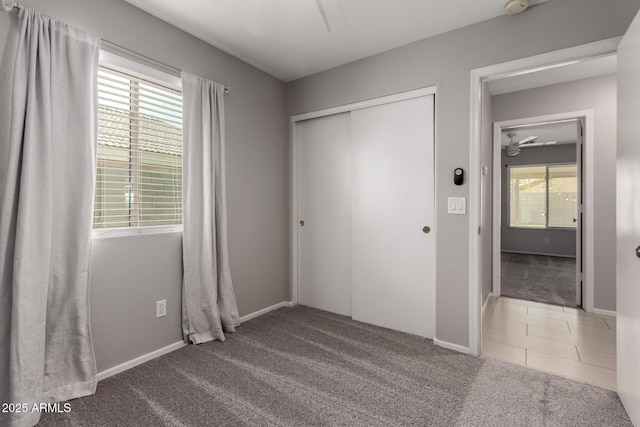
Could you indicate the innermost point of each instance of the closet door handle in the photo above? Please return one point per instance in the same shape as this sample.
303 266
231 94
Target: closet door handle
638 251
426 229
301 223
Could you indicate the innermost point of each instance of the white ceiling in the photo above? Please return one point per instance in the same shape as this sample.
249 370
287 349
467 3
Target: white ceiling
290 39
565 132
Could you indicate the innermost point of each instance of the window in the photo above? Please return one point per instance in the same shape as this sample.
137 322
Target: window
139 158
542 196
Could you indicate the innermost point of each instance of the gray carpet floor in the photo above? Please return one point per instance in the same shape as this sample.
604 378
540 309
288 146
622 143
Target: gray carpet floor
305 367
540 278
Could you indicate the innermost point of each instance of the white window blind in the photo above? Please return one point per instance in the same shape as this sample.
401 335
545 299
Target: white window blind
139 158
563 184
528 205
542 196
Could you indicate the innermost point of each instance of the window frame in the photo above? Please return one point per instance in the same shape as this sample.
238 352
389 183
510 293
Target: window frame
154 73
546 166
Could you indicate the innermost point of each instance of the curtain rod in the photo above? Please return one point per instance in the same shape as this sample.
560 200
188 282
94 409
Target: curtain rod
9 5
116 46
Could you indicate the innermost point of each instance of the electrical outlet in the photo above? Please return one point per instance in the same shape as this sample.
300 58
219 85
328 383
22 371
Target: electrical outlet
161 308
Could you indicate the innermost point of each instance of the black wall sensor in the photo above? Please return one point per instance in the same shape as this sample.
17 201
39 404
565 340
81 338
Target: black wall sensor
458 176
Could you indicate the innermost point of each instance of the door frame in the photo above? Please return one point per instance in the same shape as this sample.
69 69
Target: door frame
587 253
293 220
479 77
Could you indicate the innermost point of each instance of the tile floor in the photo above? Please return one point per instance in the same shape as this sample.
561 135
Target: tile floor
559 340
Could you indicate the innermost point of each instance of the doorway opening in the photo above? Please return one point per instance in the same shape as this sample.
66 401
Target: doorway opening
534 72
538 209
543 146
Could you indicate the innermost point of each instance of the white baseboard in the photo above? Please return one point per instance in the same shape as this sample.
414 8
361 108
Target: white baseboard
605 312
451 346
177 345
486 302
139 360
266 310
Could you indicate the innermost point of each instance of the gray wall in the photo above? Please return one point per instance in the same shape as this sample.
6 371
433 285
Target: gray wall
561 242
446 61
129 274
598 94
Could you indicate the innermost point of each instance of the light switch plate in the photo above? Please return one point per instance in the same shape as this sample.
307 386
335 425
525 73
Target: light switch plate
457 205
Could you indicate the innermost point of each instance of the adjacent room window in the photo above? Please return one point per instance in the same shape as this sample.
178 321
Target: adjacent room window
543 196
139 159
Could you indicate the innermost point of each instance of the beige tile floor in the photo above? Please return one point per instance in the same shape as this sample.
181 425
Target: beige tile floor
564 341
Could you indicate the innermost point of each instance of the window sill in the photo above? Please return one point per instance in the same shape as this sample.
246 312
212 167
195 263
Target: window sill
135 231
511 227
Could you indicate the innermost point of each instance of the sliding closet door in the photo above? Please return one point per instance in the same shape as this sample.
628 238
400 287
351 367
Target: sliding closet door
324 213
393 254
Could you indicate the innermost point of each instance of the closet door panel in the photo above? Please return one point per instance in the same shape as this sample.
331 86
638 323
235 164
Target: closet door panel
393 259
324 204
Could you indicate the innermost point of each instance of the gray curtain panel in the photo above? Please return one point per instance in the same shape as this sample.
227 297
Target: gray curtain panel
48 134
208 301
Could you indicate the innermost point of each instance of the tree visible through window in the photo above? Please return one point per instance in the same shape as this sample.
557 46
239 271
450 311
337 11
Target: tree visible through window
543 196
139 166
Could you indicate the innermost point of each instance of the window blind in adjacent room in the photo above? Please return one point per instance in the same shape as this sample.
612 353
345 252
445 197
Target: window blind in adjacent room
563 184
542 196
139 158
528 196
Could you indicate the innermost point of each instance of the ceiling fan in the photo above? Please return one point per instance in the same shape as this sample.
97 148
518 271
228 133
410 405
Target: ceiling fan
513 149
